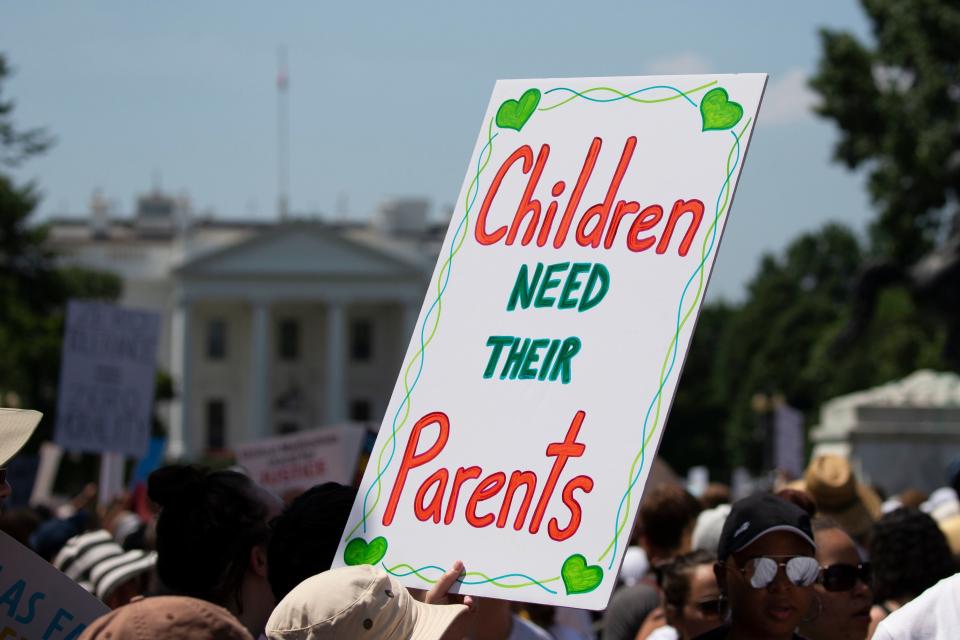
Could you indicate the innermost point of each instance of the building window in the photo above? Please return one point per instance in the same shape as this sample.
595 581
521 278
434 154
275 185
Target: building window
361 340
217 339
360 410
216 420
289 340
287 427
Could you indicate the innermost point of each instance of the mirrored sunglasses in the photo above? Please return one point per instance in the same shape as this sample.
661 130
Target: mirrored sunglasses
801 571
843 577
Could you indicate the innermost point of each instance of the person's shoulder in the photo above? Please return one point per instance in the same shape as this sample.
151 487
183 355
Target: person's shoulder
639 599
627 609
932 614
640 591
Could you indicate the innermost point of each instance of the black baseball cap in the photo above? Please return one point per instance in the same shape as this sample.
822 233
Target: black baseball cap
758 515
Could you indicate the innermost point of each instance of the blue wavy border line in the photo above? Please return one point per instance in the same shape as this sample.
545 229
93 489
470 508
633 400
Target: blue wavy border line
623 96
646 420
532 581
423 329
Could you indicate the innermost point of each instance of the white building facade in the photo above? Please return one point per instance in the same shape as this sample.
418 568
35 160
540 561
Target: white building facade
266 328
900 435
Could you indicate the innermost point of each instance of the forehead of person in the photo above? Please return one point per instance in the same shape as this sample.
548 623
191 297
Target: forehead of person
835 546
703 584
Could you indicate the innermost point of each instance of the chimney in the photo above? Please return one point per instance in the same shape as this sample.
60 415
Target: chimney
99 215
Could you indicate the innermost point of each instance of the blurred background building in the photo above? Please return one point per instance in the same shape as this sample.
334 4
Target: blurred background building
267 327
901 434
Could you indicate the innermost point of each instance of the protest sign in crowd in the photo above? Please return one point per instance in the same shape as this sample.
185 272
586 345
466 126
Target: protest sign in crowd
508 494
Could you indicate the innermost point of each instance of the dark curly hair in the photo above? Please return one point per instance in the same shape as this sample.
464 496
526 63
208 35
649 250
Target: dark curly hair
209 522
674 577
909 554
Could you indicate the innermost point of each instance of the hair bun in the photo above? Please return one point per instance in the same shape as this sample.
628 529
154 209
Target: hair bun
175 484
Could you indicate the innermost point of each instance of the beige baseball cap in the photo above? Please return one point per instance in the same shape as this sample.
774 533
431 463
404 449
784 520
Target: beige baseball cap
358 602
16 427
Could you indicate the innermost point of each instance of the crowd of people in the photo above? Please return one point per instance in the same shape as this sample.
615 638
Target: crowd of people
210 554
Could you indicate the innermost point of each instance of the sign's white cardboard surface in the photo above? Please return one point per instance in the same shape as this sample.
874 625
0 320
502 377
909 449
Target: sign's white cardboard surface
107 378
302 460
39 601
535 389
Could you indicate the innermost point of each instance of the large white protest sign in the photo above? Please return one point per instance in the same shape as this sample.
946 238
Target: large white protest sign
535 390
37 601
301 460
107 378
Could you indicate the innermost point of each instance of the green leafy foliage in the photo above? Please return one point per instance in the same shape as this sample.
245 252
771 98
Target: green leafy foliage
896 102
780 341
34 290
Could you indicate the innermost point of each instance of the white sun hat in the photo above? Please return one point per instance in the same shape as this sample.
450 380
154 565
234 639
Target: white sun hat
16 427
358 602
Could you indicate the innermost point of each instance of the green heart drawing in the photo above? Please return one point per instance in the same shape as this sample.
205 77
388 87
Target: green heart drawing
580 577
513 114
718 111
358 551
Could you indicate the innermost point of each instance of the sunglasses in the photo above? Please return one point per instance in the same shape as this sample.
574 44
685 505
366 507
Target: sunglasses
760 572
843 577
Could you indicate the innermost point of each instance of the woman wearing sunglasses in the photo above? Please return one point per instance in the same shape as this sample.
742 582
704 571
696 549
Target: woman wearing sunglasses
765 570
691 597
843 590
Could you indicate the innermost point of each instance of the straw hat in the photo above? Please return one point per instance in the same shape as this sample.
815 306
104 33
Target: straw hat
16 427
357 602
951 531
830 480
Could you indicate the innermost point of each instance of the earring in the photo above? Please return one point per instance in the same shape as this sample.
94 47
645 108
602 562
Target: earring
724 608
819 610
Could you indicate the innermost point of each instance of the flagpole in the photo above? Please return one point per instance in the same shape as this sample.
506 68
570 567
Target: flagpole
283 137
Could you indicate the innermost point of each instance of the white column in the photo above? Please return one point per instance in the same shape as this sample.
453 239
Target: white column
180 443
259 424
335 405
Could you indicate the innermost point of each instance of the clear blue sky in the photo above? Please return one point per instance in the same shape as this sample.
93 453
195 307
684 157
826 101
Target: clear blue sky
386 98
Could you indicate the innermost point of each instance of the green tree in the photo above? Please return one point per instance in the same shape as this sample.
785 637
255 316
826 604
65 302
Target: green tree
830 316
16 145
33 289
896 102
766 345
900 339
698 415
